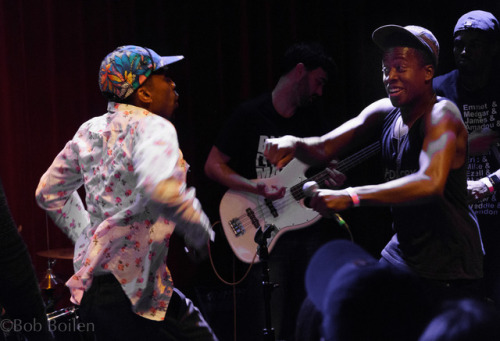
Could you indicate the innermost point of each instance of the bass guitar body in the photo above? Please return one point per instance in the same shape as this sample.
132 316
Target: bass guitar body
243 213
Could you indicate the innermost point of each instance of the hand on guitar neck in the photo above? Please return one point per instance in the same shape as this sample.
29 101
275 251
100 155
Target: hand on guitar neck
243 213
334 178
270 192
330 178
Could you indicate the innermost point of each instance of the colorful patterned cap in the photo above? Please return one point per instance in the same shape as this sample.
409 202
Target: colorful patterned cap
127 68
478 20
411 36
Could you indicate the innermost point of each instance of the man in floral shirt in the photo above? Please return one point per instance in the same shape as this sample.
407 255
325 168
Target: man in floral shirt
135 181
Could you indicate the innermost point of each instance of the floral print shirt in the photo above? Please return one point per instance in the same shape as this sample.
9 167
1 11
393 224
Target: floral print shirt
120 158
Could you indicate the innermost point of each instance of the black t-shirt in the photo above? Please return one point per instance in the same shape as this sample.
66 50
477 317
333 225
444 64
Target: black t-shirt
243 136
480 109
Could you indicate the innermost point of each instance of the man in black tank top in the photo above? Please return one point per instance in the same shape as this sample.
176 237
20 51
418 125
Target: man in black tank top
424 148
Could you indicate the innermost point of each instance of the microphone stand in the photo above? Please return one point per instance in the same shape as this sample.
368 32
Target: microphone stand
261 239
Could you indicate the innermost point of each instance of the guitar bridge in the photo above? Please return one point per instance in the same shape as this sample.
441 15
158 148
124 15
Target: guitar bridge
237 227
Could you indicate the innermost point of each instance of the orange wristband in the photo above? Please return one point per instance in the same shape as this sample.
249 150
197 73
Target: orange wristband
354 196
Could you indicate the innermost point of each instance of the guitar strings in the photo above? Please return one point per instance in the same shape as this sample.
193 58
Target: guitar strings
262 212
343 166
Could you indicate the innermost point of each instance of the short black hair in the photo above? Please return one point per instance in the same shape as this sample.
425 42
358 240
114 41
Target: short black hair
312 55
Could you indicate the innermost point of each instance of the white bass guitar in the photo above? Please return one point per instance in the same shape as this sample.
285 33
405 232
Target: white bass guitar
243 214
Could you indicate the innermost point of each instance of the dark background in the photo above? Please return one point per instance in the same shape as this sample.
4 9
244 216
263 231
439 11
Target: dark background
50 52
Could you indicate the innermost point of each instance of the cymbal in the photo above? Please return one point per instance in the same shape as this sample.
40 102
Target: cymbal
64 253
49 281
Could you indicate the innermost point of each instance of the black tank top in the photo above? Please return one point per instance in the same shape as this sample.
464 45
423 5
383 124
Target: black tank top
438 239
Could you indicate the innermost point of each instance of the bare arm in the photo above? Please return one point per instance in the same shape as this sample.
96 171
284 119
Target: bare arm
337 143
217 169
444 148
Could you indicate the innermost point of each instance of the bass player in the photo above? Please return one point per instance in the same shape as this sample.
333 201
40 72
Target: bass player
237 157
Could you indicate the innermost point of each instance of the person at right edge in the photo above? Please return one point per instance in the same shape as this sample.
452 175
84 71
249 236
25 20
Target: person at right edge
424 149
474 86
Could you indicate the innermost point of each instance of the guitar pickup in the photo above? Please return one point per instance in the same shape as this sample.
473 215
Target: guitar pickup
270 205
237 227
253 218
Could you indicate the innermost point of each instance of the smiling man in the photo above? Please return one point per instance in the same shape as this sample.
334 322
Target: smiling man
424 147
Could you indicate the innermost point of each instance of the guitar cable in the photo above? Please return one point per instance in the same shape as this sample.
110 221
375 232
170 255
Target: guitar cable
341 222
234 283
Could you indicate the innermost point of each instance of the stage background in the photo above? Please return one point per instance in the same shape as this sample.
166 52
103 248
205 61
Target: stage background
50 52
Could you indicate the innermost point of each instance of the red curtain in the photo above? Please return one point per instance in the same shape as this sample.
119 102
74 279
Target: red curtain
50 52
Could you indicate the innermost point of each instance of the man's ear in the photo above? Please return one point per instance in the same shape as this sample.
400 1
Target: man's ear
299 69
144 95
429 72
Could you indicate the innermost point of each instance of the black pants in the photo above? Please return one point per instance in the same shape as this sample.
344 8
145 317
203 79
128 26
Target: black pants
440 291
109 310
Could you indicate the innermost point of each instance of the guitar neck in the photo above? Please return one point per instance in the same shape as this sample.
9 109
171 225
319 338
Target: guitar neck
343 166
